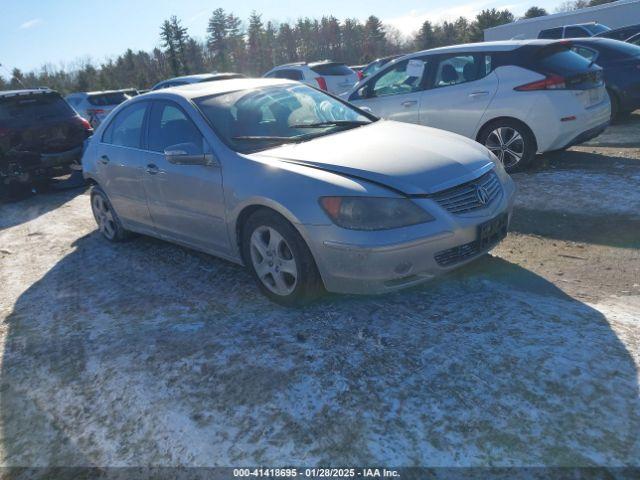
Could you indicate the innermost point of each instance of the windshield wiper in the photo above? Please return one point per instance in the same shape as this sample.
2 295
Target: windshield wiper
332 123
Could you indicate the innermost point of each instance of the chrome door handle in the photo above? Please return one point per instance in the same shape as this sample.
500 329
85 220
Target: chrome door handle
104 159
478 94
152 169
409 103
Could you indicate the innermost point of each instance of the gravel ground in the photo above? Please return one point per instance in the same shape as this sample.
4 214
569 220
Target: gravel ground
146 353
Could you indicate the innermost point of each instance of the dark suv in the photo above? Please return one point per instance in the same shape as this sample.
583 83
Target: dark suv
41 136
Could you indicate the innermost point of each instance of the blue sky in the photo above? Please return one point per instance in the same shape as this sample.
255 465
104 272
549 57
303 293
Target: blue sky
65 32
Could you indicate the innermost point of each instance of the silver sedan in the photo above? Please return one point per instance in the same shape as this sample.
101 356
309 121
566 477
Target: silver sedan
307 191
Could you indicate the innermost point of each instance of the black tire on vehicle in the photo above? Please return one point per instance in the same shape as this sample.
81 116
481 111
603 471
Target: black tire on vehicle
279 259
511 141
615 104
106 217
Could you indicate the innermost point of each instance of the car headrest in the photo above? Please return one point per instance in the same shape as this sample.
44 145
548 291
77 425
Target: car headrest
469 72
449 73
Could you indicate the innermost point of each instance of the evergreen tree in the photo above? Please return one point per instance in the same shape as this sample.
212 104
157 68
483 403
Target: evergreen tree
533 12
255 36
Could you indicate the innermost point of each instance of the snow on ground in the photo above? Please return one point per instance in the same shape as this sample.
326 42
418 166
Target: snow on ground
580 191
145 353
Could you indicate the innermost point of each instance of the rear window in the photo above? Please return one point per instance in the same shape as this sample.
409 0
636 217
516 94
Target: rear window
332 69
26 109
107 99
560 60
618 50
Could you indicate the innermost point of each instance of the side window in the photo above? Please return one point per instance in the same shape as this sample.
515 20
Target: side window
126 129
587 53
169 125
289 74
401 78
551 33
459 69
575 32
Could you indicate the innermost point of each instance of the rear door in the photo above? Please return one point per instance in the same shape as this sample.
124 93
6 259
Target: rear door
461 90
338 76
120 164
395 92
186 201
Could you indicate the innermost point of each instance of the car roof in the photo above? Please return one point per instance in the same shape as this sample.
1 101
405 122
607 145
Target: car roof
198 77
610 42
101 92
203 89
26 91
497 46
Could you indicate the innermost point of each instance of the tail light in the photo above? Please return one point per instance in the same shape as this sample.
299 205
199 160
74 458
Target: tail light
322 83
551 82
360 75
84 123
96 111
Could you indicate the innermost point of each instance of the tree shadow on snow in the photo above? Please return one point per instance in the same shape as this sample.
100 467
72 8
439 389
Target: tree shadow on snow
145 353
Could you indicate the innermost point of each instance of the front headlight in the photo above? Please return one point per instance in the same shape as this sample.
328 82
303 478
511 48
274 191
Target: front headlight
373 213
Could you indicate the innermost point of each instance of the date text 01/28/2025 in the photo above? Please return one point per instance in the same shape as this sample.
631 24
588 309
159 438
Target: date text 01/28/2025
316 472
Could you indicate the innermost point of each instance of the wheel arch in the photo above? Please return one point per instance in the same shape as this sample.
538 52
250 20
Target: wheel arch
252 206
508 118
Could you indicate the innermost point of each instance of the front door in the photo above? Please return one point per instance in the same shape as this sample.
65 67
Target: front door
186 201
395 92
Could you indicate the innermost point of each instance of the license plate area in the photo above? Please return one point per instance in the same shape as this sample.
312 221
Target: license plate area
491 232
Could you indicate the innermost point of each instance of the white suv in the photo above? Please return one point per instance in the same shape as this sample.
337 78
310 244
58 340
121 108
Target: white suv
334 77
518 98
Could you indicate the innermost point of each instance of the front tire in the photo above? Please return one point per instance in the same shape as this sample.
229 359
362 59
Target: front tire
106 217
511 141
279 259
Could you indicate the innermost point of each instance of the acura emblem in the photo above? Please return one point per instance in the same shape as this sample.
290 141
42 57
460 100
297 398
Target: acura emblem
482 195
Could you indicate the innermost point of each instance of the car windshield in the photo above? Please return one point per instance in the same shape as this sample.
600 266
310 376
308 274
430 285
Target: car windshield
22 110
596 28
261 118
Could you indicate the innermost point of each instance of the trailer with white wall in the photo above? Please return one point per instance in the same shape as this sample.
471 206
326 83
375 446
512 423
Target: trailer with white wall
614 15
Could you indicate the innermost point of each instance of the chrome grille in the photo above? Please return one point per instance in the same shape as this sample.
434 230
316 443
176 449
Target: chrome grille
464 198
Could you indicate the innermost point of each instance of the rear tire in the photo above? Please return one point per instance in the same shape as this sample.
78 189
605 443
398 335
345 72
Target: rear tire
279 259
615 105
511 141
106 217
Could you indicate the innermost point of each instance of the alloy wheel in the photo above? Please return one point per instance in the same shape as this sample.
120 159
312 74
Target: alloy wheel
104 217
273 261
507 144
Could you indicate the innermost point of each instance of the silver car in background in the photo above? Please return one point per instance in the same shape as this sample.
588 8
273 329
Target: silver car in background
307 191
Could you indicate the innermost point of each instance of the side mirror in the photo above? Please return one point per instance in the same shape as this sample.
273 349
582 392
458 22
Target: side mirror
363 92
187 154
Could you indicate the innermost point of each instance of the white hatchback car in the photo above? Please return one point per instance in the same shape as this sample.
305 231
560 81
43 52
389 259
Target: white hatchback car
333 77
517 98
95 106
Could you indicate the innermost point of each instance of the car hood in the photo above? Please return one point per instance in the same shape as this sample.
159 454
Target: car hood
410 159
